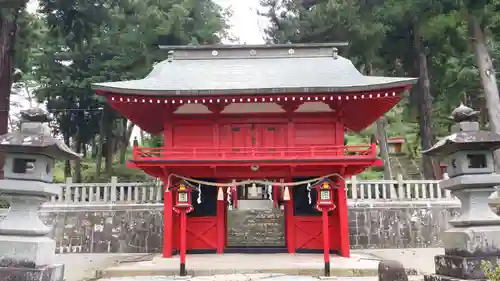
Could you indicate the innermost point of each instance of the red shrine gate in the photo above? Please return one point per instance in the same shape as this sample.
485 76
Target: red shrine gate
275 112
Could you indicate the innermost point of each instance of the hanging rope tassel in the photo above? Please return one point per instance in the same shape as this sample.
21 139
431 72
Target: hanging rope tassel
228 191
309 193
270 193
229 201
286 194
220 194
199 194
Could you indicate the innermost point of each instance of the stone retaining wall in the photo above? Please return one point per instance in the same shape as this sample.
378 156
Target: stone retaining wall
138 228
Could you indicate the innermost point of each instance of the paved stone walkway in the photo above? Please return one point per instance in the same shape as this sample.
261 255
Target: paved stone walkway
216 264
79 267
249 277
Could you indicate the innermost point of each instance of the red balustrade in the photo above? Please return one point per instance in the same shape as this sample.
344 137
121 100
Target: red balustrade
254 153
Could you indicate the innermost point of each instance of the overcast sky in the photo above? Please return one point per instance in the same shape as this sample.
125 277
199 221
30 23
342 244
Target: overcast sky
245 24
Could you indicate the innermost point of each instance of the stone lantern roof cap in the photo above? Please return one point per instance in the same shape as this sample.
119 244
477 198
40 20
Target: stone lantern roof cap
480 140
466 136
35 114
35 137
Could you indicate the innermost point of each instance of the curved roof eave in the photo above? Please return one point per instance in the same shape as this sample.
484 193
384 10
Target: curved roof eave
233 71
128 88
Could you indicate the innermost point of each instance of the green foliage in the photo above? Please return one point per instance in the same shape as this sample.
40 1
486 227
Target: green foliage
71 44
491 272
88 170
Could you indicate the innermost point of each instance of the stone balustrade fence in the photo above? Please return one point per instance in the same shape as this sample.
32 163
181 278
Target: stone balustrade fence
115 192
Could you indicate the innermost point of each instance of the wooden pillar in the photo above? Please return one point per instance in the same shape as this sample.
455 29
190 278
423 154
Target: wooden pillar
182 247
289 220
167 221
343 221
221 220
332 220
326 241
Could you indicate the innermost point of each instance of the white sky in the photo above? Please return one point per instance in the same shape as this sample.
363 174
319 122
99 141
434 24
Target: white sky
245 24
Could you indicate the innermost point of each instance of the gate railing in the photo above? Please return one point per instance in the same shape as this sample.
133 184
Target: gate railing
115 192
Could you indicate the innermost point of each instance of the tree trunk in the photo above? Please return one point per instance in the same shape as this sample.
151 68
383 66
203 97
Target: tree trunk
84 150
382 142
109 145
125 141
424 105
100 145
67 163
381 136
78 164
8 29
487 75
384 150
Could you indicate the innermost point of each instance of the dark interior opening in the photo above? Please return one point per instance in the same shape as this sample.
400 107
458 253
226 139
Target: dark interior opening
301 206
208 206
21 166
476 161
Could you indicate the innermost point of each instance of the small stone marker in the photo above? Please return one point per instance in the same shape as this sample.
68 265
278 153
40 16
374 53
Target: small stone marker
390 270
26 253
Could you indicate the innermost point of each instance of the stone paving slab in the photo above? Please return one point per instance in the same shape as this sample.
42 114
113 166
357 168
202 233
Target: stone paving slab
216 264
249 277
421 259
79 266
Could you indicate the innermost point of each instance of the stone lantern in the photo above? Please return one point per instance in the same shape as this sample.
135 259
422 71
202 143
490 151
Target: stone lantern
29 154
475 234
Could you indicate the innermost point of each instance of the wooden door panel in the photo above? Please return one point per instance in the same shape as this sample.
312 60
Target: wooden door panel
241 136
271 135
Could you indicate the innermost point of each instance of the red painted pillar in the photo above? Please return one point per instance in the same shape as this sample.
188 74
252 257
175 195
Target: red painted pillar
290 221
221 219
167 221
182 250
345 247
326 241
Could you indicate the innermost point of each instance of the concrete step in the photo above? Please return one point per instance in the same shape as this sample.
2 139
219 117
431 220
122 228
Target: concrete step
217 264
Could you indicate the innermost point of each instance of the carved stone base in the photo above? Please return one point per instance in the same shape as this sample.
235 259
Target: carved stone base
40 273
472 241
468 268
437 277
40 250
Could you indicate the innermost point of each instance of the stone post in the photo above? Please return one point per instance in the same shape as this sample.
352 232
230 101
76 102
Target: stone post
475 233
26 251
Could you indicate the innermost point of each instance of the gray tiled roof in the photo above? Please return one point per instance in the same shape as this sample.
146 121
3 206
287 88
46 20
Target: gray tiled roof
239 71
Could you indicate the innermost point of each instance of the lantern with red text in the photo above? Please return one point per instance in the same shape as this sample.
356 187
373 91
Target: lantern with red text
324 197
183 198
